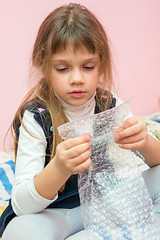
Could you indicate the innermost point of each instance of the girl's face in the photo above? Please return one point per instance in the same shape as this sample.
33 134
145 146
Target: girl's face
75 75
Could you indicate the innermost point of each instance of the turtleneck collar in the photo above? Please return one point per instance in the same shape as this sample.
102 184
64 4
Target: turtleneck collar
78 112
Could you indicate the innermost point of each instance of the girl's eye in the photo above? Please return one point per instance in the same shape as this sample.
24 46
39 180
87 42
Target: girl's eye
88 67
61 69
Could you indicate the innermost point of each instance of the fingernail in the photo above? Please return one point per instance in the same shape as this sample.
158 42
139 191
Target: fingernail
88 137
117 137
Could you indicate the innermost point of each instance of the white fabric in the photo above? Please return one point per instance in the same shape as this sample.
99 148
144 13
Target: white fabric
77 112
6 179
30 162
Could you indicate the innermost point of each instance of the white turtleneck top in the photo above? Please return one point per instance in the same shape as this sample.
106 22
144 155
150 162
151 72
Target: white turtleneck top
78 112
30 159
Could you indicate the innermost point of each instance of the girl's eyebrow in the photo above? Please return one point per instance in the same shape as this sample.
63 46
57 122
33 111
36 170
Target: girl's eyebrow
59 61
93 59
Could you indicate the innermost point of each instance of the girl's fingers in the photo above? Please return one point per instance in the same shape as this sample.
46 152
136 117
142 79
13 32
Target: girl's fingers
73 154
131 131
131 121
126 133
79 163
132 139
82 167
78 150
133 134
81 158
69 143
136 145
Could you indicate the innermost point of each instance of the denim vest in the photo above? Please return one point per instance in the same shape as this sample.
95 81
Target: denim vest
70 197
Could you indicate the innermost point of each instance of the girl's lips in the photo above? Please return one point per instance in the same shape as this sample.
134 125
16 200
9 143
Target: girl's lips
77 93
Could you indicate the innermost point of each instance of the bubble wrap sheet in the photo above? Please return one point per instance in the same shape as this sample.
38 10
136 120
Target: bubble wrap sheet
114 199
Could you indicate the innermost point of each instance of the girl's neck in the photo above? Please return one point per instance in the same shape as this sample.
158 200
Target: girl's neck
78 112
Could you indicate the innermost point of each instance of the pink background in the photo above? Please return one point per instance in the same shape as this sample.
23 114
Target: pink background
133 28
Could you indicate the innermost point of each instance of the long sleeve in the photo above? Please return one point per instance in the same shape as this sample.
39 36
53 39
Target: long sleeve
30 161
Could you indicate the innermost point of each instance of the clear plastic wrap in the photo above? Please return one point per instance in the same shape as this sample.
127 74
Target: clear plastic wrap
114 199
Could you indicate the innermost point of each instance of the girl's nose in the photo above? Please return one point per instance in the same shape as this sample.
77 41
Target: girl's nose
76 77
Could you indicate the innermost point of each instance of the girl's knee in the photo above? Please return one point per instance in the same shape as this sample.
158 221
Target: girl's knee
152 179
21 227
152 175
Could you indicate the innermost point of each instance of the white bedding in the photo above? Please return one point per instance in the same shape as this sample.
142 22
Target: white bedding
6 177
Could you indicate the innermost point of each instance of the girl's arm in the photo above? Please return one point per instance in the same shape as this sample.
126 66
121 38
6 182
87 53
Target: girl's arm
134 135
35 187
30 162
72 157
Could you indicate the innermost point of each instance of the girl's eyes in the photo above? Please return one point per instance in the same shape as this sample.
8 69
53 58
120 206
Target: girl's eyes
65 69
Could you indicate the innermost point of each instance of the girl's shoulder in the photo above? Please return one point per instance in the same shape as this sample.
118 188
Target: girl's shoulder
40 114
35 106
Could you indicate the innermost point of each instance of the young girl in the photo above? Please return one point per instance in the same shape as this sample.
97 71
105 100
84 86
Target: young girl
72 56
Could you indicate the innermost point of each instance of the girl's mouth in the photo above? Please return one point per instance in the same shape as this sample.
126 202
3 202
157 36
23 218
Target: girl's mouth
77 93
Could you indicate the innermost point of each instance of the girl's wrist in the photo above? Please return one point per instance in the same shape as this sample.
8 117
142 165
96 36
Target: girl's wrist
50 180
151 151
145 148
60 169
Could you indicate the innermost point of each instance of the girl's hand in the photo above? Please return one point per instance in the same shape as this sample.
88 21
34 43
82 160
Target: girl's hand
73 155
133 134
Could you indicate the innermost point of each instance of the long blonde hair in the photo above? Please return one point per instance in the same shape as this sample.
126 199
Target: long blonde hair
69 24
